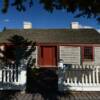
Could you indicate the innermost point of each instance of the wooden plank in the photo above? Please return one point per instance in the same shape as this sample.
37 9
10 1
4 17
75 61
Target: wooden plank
96 95
79 96
89 96
97 55
37 96
83 96
70 55
71 97
76 97
21 96
92 95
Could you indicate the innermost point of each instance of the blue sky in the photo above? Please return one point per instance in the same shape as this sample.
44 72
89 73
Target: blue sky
42 19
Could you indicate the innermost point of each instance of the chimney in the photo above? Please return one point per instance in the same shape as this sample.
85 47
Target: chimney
27 25
75 25
2 48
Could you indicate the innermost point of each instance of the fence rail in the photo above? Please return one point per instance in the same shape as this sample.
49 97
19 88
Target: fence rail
9 75
79 78
12 78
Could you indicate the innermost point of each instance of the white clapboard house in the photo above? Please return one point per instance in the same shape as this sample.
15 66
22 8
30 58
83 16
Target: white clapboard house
78 48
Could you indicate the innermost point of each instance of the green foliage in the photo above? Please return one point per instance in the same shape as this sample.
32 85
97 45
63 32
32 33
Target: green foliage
5 6
87 8
18 4
18 51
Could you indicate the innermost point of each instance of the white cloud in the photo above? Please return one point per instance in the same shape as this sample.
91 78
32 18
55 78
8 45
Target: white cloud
86 27
98 30
6 20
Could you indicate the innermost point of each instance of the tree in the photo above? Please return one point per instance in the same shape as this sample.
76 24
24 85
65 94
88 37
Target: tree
4 29
18 52
87 8
15 55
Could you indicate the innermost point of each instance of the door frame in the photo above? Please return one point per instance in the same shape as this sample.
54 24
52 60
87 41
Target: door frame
39 55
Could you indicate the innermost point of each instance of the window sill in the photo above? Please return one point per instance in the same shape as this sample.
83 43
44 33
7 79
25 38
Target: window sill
88 60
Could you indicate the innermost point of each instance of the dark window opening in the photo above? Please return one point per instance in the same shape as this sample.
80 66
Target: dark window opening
9 52
88 53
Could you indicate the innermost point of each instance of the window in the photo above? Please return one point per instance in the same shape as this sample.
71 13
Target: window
88 53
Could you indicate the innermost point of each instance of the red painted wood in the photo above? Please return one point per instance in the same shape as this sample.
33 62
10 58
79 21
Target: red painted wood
48 56
82 48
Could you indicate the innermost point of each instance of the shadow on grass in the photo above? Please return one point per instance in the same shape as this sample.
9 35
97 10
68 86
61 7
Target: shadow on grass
43 83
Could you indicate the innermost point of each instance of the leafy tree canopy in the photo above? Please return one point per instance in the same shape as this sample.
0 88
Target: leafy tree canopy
87 8
18 51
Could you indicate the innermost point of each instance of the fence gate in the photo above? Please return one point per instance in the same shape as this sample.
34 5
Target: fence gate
79 78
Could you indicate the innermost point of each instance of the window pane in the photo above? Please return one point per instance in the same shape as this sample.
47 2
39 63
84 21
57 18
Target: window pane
88 53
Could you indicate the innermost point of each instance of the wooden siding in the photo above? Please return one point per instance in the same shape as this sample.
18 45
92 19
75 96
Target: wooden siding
88 62
34 55
97 55
70 55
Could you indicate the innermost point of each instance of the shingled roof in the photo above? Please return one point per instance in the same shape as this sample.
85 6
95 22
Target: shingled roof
73 36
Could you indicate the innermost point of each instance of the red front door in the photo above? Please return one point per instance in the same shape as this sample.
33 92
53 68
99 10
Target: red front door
48 56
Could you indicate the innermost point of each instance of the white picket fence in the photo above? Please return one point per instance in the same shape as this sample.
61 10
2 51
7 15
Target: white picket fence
79 78
12 78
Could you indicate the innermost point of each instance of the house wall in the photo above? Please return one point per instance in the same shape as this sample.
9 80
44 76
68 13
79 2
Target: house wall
88 62
70 55
96 59
73 55
97 55
35 55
